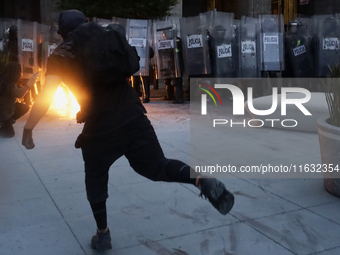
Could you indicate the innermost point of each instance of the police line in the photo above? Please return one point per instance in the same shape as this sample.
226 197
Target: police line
213 44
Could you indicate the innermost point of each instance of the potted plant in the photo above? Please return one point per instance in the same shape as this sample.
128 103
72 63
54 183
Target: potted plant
329 135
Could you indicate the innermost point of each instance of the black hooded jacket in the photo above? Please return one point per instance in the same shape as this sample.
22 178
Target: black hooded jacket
106 107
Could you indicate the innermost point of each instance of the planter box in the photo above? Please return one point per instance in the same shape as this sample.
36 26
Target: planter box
329 138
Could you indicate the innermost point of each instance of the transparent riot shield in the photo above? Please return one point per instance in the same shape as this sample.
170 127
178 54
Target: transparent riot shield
3 37
298 51
7 29
32 38
195 45
123 22
326 43
209 19
224 45
28 45
306 27
176 23
166 49
138 33
249 48
8 41
271 41
54 39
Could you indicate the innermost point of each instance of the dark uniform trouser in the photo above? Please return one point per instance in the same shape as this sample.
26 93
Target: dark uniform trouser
138 142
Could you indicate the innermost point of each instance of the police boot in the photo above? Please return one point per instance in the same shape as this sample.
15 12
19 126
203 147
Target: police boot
6 129
146 87
169 90
178 91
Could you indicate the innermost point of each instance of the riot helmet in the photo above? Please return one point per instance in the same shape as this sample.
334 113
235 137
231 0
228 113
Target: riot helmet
13 31
293 26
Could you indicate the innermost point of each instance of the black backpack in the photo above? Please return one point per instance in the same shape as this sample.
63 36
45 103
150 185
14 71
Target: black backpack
105 56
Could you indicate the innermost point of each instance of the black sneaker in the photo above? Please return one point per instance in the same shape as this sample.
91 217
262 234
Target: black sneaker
101 241
217 194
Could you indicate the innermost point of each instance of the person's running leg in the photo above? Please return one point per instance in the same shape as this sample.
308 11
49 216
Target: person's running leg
146 158
99 154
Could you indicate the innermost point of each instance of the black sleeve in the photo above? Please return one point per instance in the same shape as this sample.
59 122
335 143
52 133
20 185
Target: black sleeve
62 60
56 65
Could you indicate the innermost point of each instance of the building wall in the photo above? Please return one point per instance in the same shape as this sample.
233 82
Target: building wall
252 8
319 7
49 12
177 10
194 7
20 9
326 6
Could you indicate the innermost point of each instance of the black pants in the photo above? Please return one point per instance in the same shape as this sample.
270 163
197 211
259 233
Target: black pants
20 110
137 141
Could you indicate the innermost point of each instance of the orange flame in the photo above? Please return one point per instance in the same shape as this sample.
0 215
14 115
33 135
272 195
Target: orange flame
65 103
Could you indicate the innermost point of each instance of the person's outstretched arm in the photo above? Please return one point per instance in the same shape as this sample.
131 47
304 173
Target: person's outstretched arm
40 107
19 92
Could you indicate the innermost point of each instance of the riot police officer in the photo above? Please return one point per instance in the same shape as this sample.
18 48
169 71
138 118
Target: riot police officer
298 53
223 46
272 54
169 59
326 43
138 34
145 80
249 48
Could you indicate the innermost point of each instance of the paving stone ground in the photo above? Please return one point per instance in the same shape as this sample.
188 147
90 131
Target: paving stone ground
43 207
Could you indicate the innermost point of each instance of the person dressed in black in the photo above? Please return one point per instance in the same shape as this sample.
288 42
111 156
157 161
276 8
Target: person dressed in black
297 53
115 125
174 86
10 110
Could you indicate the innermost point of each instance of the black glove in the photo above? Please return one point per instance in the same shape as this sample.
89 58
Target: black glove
27 139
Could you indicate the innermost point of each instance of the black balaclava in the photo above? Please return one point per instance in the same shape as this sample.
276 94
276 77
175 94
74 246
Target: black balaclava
70 20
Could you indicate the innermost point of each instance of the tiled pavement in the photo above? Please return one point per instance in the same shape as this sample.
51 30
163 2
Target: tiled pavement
43 207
